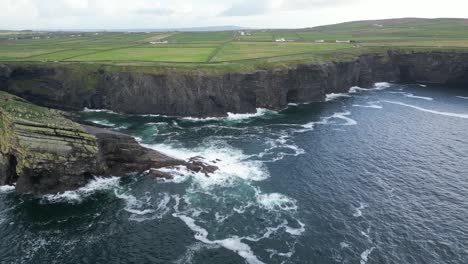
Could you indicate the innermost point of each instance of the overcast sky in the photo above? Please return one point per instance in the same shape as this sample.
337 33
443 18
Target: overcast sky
132 14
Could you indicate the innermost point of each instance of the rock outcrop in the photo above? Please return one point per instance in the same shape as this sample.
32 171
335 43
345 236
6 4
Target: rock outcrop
41 151
202 94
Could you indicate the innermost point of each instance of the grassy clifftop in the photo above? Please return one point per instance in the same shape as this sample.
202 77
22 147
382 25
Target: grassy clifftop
230 51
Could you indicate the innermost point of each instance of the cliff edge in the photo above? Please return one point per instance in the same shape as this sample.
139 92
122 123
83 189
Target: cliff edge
41 151
201 94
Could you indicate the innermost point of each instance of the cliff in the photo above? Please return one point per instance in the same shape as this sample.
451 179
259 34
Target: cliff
203 94
41 151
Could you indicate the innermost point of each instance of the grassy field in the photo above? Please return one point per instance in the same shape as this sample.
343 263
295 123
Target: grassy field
232 49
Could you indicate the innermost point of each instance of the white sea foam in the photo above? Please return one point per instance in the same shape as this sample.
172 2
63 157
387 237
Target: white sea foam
463 97
382 85
76 196
103 123
143 209
359 209
369 105
377 86
232 116
344 116
422 85
276 201
326 120
99 111
7 188
459 115
232 164
365 255
296 231
333 96
233 243
356 89
344 245
410 95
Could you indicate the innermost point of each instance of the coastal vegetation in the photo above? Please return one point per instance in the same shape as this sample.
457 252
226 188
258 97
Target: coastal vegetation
232 51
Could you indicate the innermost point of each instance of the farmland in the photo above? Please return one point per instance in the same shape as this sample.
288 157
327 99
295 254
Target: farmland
232 48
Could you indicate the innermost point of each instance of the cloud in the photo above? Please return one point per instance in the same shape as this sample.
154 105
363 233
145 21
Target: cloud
155 11
249 8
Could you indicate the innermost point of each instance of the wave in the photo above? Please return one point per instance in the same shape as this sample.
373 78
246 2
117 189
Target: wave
422 85
410 95
232 163
7 188
77 196
233 243
87 110
358 212
103 123
233 116
462 97
377 86
365 255
369 105
326 120
276 201
333 96
465 116
143 209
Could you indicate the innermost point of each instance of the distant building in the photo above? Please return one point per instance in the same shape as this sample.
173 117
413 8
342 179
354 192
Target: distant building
319 41
343 41
242 33
280 40
159 42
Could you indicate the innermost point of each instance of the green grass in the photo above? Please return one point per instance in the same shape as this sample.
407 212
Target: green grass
230 51
197 37
151 54
252 50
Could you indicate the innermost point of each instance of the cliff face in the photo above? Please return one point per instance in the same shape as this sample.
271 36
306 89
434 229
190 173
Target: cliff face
193 94
41 151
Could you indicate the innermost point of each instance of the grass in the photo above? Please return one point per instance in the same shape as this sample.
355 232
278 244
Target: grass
253 50
151 54
230 51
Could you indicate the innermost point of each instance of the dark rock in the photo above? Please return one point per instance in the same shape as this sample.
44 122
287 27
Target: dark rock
44 152
203 94
160 174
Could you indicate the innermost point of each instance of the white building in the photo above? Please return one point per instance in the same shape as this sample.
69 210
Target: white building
320 41
159 42
280 40
343 41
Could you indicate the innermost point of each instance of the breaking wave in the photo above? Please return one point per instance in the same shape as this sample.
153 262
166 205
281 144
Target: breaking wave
333 96
77 196
7 188
233 116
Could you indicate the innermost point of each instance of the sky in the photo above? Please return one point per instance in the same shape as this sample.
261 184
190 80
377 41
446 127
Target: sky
157 14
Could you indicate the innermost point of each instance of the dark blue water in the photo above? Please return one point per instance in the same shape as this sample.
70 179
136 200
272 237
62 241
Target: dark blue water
373 176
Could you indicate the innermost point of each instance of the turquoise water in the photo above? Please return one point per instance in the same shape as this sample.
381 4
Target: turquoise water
371 176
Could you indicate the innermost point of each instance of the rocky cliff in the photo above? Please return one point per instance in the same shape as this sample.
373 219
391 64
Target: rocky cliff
201 94
41 151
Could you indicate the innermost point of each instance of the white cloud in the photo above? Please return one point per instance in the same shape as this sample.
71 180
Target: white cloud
122 14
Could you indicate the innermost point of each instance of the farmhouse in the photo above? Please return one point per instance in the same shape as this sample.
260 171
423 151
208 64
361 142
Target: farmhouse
343 41
319 41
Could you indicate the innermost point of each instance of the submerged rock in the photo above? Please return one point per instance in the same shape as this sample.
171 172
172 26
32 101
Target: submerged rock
42 151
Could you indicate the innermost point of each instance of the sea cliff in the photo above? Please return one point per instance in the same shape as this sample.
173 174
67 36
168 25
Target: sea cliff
202 94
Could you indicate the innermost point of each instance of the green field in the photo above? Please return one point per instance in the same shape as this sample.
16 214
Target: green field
233 49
